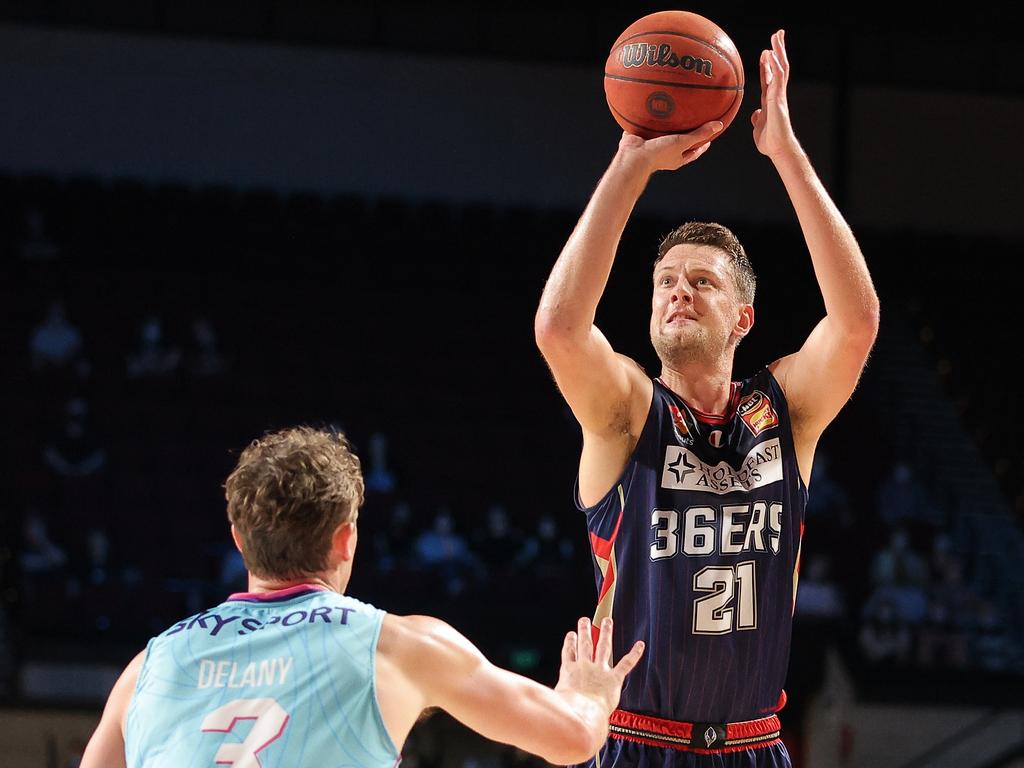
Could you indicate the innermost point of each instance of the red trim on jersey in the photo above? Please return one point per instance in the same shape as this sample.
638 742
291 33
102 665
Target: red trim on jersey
713 418
603 549
645 729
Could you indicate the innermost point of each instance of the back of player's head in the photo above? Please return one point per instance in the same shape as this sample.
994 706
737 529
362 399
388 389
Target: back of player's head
708 233
288 494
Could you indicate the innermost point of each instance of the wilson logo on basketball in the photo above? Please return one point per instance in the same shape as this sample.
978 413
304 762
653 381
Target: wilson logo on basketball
650 55
757 413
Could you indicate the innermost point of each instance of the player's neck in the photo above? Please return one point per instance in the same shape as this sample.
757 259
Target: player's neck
705 387
331 581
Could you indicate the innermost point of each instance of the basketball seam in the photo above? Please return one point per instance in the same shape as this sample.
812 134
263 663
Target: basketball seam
725 56
738 88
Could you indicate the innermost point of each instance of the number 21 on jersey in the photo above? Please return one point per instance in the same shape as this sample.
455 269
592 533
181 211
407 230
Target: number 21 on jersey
729 602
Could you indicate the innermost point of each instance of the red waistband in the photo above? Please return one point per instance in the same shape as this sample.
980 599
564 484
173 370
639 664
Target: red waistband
695 737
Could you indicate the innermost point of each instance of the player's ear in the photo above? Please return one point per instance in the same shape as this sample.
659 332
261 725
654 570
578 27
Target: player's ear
344 540
236 538
744 321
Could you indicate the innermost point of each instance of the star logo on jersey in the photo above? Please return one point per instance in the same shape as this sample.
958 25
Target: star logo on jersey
757 413
685 470
681 473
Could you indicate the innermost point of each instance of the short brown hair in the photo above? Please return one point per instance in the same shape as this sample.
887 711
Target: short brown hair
288 493
707 233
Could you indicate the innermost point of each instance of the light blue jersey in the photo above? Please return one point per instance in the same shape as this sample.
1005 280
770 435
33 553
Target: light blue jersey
269 680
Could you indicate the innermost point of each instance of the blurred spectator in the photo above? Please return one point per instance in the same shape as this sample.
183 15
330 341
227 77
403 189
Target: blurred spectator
98 554
546 551
56 343
941 643
884 639
818 596
901 498
207 360
827 501
497 543
442 550
378 478
37 245
75 452
991 643
39 554
897 564
154 356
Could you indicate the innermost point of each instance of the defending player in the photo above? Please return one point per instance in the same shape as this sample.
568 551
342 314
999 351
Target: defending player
694 485
295 673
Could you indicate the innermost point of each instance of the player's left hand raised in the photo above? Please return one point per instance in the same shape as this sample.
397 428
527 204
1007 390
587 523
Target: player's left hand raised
773 132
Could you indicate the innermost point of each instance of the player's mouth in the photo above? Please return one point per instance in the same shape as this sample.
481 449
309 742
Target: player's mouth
681 318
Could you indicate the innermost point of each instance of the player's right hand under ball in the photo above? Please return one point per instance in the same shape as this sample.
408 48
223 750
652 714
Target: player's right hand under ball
667 153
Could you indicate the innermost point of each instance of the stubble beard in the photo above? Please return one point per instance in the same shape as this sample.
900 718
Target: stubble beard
696 346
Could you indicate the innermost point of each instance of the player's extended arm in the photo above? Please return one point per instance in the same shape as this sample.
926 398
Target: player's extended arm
595 381
106 747
563 725
821 376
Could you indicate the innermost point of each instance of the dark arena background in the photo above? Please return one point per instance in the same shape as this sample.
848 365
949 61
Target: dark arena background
223 217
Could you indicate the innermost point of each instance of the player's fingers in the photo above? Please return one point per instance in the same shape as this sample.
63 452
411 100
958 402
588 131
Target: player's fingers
761 69
780 51
584 640
706 131
569 648
603 654
631 659
755 117
692 154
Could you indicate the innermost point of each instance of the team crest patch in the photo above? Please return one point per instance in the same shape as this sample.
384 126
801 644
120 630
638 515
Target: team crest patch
757 413
679 425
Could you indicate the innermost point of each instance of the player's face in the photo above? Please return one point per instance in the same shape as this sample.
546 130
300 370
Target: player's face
695 310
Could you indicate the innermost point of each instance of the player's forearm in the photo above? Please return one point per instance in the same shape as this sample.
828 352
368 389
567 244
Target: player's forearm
566 726
579 277
842 273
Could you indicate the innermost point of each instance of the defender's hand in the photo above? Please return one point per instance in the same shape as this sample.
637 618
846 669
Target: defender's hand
589 671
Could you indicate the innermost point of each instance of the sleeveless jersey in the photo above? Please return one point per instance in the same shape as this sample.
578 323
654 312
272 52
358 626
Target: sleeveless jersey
696 550
274 679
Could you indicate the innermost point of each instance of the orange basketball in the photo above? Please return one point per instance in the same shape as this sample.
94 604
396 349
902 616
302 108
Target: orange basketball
670 72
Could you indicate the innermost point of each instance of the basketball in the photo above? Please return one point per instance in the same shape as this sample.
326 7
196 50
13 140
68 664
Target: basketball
671 72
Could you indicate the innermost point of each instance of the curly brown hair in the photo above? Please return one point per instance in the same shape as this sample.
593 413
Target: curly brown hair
288 494
709 233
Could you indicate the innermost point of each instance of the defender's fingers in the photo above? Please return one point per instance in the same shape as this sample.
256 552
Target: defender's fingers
631 659
584 640
569 648
604 642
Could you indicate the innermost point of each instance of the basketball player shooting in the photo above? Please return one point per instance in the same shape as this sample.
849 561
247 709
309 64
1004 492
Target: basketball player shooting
296 673
693 484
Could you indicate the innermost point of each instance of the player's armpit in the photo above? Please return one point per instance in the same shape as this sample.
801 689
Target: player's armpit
496 703
604 389
106 747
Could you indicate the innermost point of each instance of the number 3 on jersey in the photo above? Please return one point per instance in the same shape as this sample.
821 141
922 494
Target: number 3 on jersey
270 722
714 613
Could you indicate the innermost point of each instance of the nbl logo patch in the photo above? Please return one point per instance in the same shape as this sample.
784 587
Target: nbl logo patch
755 410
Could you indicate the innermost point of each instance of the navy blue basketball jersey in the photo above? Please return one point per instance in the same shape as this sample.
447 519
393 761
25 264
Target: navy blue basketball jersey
696 550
